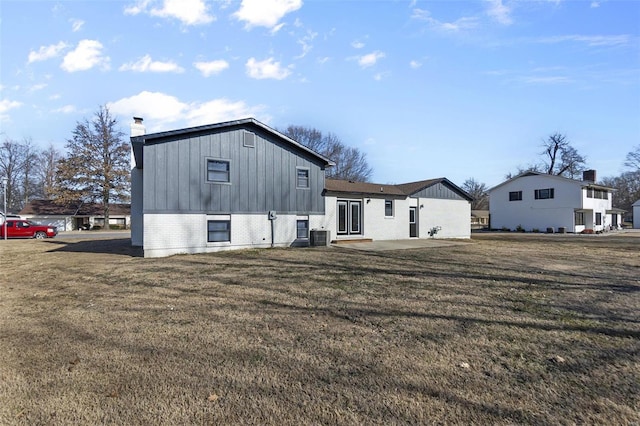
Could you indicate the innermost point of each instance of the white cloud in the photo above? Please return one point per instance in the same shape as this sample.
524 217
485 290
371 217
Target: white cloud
47 52
597 40
155 106
160 110
266 69
85 56
546 80
305 42
37 87
189 12
356 44
136 8
381 75
499 12
146 64
76 24
6 105
265 13
212 67
370 59
595 4
415 64
67 109
219 110
461 24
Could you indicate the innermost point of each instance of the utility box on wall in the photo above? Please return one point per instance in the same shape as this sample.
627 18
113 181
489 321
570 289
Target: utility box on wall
319 237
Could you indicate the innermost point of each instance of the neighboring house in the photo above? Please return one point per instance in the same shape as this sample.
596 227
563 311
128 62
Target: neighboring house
241 184
479 219
237 184
636 214
433 208
76 216
538 201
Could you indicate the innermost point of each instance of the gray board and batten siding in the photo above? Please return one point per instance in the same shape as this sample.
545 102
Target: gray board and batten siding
262 177
441 191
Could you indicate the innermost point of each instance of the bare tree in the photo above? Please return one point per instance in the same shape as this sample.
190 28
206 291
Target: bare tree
633 159
351 163
627 187
48 160
96 167
562 159
478 193
18 163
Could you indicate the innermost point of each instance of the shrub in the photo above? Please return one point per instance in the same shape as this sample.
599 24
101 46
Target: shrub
519 228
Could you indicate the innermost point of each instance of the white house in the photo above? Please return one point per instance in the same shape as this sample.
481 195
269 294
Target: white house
636 214
537 201
434 208
241 184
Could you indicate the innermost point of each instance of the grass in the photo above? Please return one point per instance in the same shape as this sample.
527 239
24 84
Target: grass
509 328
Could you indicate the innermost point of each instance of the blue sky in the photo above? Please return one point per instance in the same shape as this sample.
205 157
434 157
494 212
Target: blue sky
426 89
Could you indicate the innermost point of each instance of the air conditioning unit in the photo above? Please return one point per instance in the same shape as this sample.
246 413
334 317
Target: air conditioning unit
319 237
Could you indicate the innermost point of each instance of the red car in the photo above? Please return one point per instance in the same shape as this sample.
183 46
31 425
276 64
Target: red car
18 228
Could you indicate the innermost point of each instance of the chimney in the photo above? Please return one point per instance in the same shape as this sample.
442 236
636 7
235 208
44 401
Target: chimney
589 175
137 128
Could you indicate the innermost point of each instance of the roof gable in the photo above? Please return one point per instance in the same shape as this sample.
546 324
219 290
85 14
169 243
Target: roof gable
138 142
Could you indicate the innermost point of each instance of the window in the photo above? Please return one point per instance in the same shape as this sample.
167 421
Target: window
598 218
579 218
302 229
597 193
302 178
217 171
515 196
218 231
388 208
543 194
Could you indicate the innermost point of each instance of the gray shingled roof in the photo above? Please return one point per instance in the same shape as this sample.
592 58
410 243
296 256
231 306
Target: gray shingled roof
400 190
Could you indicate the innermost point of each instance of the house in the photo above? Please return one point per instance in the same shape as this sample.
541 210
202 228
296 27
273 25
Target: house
538 201
236 184
74 216
636 214
479 219
434 208
242 184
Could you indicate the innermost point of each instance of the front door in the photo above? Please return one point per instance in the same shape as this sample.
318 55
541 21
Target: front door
413 228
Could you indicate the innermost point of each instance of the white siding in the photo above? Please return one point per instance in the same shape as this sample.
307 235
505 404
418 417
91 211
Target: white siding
453 217
169 234
636 214
531 214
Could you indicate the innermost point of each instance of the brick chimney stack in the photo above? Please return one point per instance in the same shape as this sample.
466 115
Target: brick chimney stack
589 175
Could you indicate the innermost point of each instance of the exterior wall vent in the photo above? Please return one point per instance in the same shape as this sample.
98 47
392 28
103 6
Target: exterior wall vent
249 140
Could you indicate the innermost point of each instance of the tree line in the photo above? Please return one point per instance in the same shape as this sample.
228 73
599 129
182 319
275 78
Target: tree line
95 169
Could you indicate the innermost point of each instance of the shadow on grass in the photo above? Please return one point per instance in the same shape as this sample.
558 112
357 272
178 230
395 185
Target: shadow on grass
118 246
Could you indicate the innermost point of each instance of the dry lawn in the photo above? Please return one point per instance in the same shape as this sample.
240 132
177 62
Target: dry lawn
506 329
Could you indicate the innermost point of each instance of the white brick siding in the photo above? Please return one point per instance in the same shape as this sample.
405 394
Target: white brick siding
169 234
